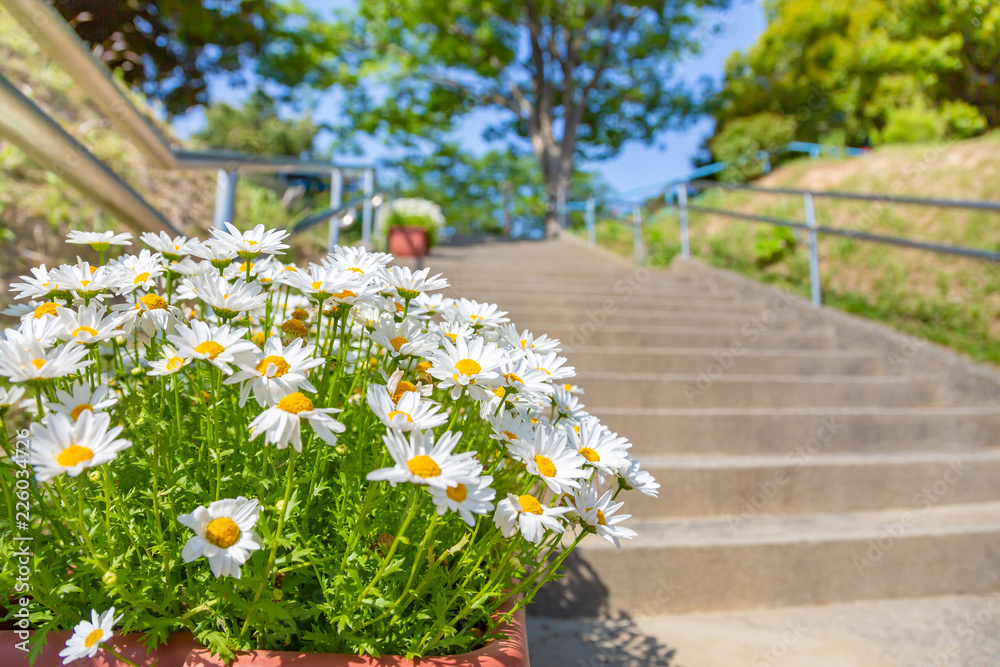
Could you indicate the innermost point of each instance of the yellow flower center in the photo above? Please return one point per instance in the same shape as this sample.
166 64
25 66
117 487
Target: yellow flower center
174 363
600 518
529 504
38 363
545 466
423 466
424 366
401 389
93 637
280 365
400 412
398 342
211 348
300 314
77 331
524 341
74 455
294 327
343 295
542 369
141 278
568 387
356 270
243 266
45 309
468 367
510 436
295 403
251 243
512 378
451 337
457 493
590 454
500 392
317 284
400 309
75 414
222 532
153 302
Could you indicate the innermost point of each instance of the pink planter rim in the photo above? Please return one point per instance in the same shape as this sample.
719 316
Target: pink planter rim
182 651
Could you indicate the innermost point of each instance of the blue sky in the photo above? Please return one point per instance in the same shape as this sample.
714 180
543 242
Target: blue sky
636 166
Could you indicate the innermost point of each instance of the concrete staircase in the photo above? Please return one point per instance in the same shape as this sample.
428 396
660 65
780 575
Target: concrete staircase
806 457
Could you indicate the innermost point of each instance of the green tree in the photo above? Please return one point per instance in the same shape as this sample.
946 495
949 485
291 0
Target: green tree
257 128
851 70
576 79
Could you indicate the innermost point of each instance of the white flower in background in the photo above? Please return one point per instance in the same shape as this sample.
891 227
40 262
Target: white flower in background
279 371
223 533
10 397
45 331
452 331
28 360
409 285
599 514
549 457
475 314
420 460
320 283
220 346
63 445
571 388
190 267
249 244
88 282
172 248
89 324
525 341
134 272
150 312
468 499
281 424
427 305
227 300
99 240
217 254
409 413
411 207
38 285
552 364
357 260
471 363
402 339
524 378
510 426
526 512
79 399
88 636
632 476
42 311
168 363
567 405
604 450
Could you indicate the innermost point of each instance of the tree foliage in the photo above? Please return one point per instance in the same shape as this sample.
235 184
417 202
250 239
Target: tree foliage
882 70
256 127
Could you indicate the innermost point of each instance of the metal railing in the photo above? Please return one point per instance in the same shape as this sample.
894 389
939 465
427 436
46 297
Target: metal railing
29 128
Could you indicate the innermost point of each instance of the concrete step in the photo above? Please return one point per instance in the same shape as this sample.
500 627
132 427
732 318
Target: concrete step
801 559
611 304
747 486
722 338
713 363
615 390
544 318
600 288
932 631
661 431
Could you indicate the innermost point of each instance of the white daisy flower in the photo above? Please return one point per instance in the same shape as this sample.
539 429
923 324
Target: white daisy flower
320 283
605 451
169 362
220 346
42 311
402 339
88 282
172 248
525 341
62 445
526 513
567 405
219 255
150 312
99 241
471 363
358 260
510 426
552 365
524 378
598 514
46 331
420 460
549 457
9 398
408 413
409 285
632 476
227 300
279 371
249 244
223 534
452 331
134 272
467 499
571 388
281 424
428 305
476 314
89 324
39 285
28 360
88 636
80 399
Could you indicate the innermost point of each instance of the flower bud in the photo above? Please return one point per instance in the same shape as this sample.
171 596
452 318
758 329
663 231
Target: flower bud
342 449
137 371
110 578
94 475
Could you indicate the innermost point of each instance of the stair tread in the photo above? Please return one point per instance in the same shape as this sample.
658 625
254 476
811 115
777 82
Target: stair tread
697 461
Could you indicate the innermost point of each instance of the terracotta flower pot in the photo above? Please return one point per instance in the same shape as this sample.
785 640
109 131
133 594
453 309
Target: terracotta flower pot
182 651
408 241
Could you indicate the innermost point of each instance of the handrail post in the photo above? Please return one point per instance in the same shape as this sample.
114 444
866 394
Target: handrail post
682 209
336 196
366 218
561 208
637 228
591 214
817 298
225 197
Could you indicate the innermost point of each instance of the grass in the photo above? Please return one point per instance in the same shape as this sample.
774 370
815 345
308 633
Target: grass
953 301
